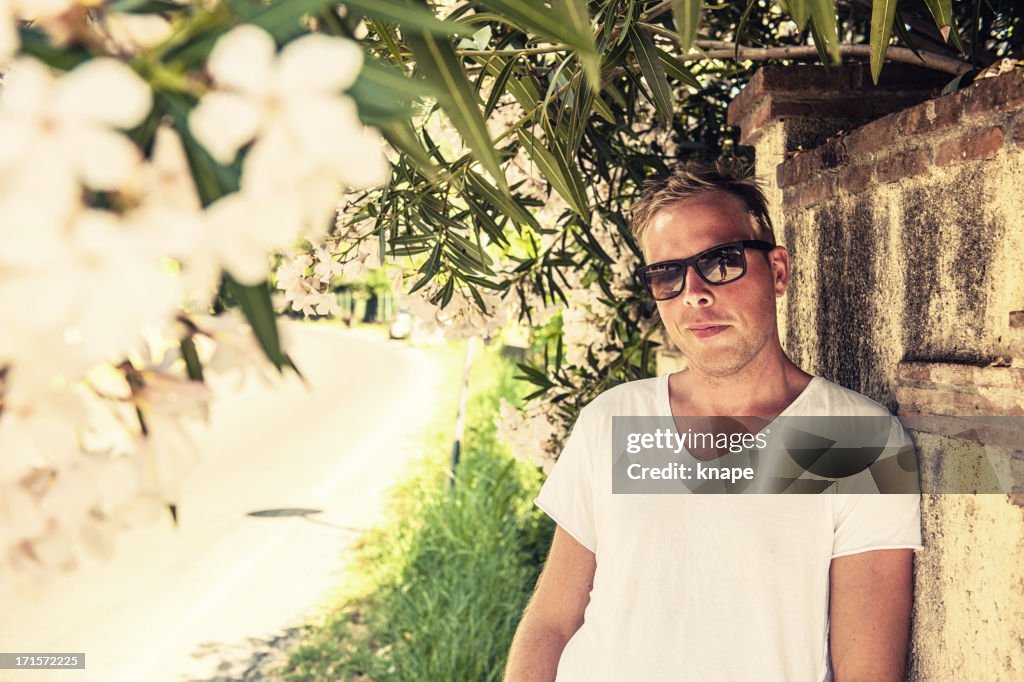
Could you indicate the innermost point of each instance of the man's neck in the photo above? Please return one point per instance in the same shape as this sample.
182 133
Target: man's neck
763 388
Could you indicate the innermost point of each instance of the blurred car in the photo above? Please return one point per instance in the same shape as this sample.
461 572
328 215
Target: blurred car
401 326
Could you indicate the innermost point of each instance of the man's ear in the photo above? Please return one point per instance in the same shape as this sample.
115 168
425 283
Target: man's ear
778 261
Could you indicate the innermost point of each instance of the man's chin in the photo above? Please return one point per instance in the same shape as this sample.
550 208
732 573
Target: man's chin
719 364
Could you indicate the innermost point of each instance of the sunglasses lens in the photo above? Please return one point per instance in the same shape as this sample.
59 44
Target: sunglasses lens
664 281
722 265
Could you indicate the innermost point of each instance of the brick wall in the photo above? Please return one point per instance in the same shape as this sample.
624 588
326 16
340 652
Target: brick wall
904 213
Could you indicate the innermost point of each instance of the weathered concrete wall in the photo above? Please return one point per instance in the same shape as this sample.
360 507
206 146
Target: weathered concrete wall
907 235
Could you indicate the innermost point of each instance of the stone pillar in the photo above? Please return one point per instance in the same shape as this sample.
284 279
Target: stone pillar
784 110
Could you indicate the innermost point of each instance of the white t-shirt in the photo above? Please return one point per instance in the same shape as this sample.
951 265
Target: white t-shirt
707 586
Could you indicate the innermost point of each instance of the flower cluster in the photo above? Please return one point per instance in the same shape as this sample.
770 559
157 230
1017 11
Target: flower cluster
461 318
306 284
530 434
109 450
108 257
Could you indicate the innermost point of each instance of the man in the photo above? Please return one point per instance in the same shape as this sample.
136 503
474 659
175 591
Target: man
716 587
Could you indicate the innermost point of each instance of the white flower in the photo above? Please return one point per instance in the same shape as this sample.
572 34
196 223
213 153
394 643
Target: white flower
229 350
308 135
169 213
171 218
243 230
292 271
167 179
395 275
69 306
8 33
36 10
326 303
461 318
528 434
326 267
134 32
169 450
260 90
37 427
586 324
59 130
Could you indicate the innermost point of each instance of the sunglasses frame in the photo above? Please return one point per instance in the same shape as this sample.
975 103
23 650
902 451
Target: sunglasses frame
759 244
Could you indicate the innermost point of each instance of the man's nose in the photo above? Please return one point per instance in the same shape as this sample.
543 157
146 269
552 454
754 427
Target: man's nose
696 292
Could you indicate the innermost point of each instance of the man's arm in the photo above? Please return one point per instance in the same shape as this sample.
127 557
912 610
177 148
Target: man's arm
555 611
869 614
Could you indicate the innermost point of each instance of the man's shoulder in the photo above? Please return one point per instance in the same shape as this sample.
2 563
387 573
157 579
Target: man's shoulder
637 397
829 398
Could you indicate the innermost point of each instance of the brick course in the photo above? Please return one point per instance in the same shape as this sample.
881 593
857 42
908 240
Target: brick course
981 145
953 127
901 166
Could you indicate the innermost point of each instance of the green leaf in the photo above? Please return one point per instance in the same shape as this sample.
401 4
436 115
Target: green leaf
388 38
960 82
826 31
480 281
954 36
193 365
385 93
420 283
556 171
143 6
882 14
798 10
478 298
558 24
479 40
942 11
282 19
741 27
212 179
819 45
676 69
464 255
393 79
470 249
258 310
686 14
904 35
498 87
578 17
38 45
572 125
437 62
533 375
505 203
407 15
445 295
483 220
431 265
401 135
523 87
650 67
567 21
603 110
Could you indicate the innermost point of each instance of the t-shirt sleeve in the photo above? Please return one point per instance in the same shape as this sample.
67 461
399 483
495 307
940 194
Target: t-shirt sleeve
866 521
888 520
567 494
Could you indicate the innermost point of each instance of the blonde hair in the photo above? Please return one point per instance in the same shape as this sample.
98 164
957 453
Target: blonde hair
695 178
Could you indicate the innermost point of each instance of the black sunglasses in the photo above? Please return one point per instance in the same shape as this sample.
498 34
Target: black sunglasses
718 265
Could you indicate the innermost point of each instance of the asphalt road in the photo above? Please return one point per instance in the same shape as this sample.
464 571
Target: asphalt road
204 600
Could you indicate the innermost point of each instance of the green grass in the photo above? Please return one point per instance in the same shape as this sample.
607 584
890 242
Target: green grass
440 586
